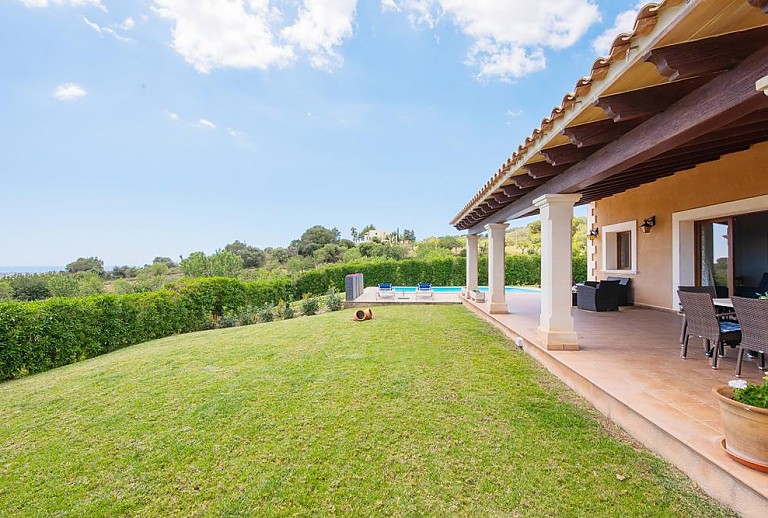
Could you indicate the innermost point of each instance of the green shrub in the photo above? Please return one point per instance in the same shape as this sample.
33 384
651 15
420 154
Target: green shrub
266 313
63 285
333 302
288 311
227 321
37 336
310 306
29 287
6 292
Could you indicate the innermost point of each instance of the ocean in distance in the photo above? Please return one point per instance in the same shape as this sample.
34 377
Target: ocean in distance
10 270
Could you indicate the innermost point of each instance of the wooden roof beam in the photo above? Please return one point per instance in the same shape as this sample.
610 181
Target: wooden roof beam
722 101
566 154
707 55
759 4
600 132
544 169
646 102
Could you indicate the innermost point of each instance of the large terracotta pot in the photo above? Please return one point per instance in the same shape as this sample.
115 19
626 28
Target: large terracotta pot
745 427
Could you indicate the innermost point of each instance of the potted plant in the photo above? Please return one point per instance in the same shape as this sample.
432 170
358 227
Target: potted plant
744 416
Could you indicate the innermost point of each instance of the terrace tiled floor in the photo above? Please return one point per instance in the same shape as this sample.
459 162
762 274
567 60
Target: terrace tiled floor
629 368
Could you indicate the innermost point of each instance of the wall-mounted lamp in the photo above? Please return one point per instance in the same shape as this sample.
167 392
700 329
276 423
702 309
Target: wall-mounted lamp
648 224
592 234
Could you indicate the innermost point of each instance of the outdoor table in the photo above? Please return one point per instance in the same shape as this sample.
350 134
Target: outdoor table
723 303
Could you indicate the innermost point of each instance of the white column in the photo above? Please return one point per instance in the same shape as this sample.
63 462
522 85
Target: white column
496 235
556 323
472 240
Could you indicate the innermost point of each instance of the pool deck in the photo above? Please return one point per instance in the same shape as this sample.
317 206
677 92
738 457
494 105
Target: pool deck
369 298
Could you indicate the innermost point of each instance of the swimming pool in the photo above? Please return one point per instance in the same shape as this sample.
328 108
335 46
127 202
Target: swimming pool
457 289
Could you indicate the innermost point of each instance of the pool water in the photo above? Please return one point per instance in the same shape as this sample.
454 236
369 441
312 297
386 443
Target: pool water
457 289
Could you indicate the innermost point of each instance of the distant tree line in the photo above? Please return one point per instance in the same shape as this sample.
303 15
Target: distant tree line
317 246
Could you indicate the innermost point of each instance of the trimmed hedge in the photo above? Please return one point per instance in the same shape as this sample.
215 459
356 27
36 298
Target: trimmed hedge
37 336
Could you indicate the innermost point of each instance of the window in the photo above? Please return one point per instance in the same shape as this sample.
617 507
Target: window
619 248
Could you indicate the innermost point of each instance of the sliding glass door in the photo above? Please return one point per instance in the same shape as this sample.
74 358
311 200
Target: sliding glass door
715 255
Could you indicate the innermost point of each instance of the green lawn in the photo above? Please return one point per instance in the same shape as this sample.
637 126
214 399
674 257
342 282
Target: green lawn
421 411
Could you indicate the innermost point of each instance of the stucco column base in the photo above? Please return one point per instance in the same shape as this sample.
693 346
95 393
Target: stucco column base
497 308
558 340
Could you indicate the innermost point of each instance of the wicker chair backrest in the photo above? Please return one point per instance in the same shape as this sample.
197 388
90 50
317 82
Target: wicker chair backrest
753 317
700 314
699 289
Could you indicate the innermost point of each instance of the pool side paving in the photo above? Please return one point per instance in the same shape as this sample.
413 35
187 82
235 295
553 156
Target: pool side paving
369 298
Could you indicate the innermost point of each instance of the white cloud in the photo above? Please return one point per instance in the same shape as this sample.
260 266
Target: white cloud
389 5
172 116
255 33
625 22
509 37
236 134
225 34
105 30
322 26
69 92
128 24
204 123
73 3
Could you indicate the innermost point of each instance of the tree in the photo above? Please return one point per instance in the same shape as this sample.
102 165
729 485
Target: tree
86 264
121 272
280 254
315 238
6 292
329 253
195 265
157 269
219 264
164 260
252 257
63 285
29 287
409 235
225 264
354 234
89 283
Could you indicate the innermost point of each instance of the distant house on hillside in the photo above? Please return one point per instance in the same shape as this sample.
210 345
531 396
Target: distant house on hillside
381 235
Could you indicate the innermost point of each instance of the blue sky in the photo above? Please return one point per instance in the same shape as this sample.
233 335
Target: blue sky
146 128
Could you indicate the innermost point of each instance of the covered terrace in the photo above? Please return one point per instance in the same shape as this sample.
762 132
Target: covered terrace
688 87
672 124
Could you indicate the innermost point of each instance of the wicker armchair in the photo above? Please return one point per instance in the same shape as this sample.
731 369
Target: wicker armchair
600 296
693 289
704 322
624 287
753 317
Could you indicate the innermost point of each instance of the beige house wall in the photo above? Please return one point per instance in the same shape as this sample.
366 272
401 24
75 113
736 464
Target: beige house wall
733 177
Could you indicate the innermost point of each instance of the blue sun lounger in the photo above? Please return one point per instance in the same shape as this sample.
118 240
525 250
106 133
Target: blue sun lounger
385 289
424 289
